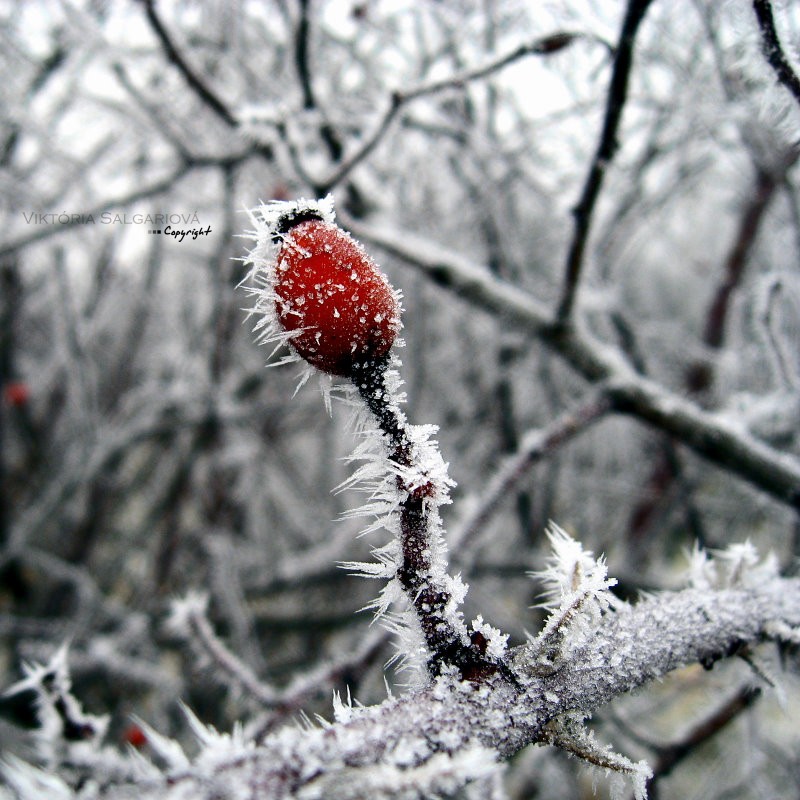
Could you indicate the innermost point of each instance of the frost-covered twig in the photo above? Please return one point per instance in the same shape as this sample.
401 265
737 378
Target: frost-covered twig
451 732
302 51
569 733
715 437
190 621
544 46
61 718
321 678
577 592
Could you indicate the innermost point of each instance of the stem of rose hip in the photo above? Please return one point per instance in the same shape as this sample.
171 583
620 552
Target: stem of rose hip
446 644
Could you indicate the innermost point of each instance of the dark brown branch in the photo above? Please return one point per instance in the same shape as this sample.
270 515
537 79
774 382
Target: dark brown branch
669 756
699 376
606 149
46 69
201 89
771 47
369 144
10 305
662 476
446 644
301 56
303 62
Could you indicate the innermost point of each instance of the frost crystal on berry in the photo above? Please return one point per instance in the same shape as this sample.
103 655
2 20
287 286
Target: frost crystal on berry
317 289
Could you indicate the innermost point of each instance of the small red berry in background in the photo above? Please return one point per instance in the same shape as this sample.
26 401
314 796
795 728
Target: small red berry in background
134 736
333 295
16 394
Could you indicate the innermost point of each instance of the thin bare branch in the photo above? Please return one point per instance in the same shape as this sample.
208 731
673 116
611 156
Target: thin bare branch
201 634
325 675
669 756
302 58
544 46
534 446
206 94
194 625
369 144
772 49
198 86
700 375
606 149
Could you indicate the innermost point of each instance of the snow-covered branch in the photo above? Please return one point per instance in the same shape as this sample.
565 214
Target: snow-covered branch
452 732
190 622
710 435
620 222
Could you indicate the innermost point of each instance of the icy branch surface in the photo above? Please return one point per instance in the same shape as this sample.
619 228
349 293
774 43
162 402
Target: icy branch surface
453 732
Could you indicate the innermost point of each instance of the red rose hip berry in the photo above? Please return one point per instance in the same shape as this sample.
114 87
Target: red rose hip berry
332 296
